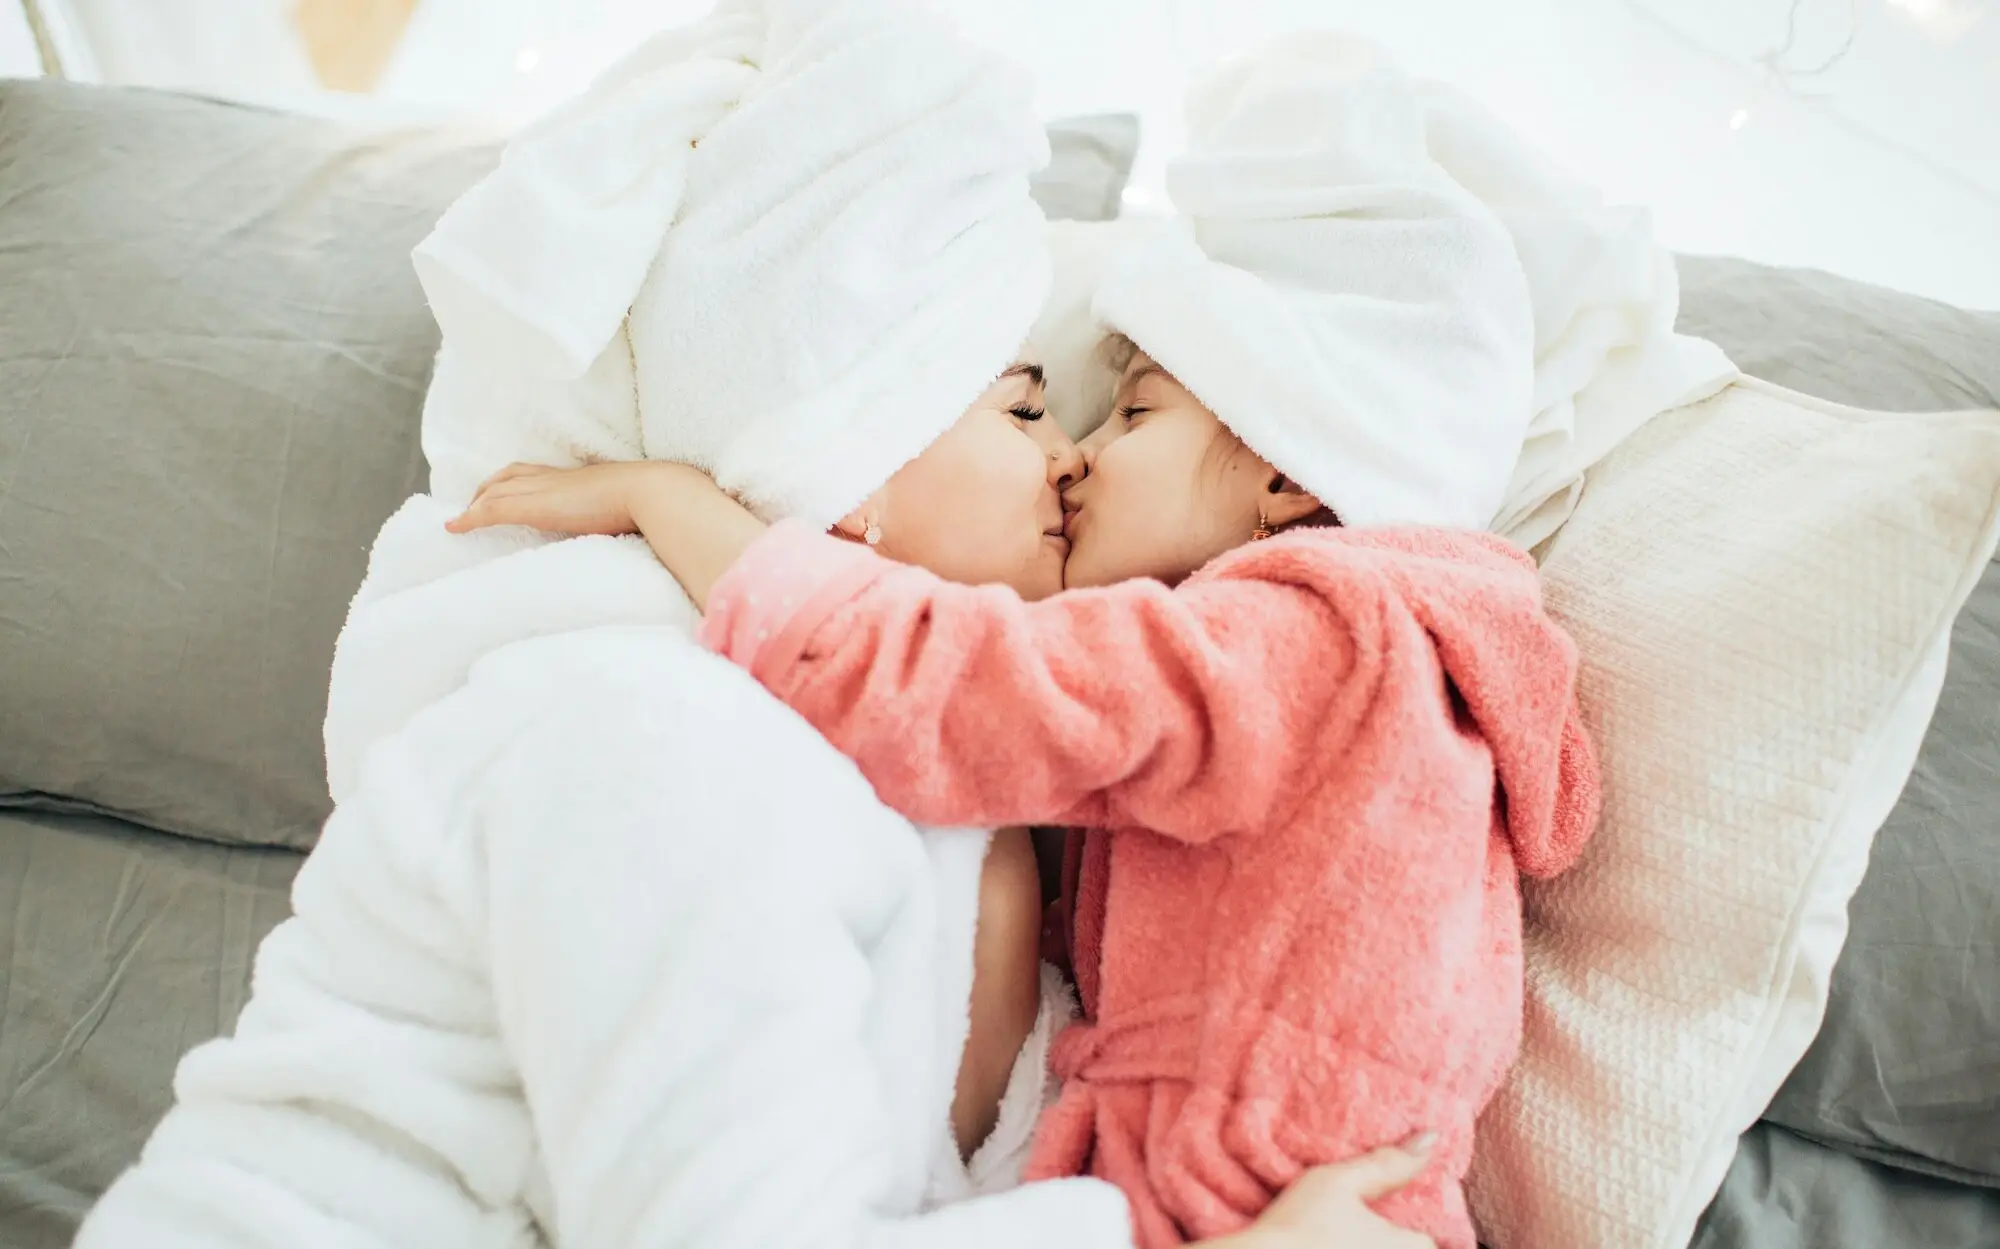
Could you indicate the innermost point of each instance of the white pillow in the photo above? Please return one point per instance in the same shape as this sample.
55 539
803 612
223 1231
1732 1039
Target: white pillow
1762 586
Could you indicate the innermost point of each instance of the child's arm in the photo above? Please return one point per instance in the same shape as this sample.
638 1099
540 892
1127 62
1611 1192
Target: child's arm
1194 713
695 529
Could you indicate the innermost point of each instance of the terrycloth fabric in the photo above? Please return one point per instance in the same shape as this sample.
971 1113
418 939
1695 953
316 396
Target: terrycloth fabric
1606 295
1345 291
816 214
1319 765
532 995
567 967
1357 317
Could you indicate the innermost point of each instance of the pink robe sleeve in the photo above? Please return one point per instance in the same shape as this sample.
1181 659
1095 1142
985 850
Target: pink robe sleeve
1193 712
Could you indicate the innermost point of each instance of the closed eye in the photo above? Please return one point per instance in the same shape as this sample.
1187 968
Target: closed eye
1022 412
1132 410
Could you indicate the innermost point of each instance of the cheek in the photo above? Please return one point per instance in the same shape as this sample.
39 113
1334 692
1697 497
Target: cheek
1141 524
1127 479
981 522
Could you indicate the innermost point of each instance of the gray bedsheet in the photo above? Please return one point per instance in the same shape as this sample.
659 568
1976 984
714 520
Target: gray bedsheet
1786 1192
119 950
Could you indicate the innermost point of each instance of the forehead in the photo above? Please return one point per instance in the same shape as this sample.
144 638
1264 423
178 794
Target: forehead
1142 367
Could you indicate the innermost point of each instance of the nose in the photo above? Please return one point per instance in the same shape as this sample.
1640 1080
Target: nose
1094 442
1065 463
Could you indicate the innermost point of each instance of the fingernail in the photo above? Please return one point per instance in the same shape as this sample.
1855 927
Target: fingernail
1421 1143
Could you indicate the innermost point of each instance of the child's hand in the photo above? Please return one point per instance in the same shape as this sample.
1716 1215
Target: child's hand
1327 1208
694 528
598 498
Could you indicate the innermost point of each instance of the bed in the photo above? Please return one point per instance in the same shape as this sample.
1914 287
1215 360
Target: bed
180 276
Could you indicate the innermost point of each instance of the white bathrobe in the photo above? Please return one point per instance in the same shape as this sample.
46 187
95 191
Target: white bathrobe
696 994
603 947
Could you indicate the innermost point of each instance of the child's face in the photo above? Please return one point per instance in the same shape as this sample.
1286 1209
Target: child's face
1169 487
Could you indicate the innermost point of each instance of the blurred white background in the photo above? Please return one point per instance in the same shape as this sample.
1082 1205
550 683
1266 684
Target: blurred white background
1860 136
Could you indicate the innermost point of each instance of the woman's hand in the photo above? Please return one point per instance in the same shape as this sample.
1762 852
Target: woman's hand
695 529
1327 1208
599 498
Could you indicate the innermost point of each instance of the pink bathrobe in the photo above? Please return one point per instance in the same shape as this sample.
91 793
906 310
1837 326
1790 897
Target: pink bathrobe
1318 766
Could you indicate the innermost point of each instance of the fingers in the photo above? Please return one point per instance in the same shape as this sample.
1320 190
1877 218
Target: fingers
1381 1173
509 473
1367 1178
501 503
489 502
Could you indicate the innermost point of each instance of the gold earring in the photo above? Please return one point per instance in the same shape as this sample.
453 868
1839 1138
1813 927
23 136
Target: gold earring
1263 529
872 535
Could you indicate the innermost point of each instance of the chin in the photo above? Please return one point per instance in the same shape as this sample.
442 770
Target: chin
1046 583
1034 578
1082 574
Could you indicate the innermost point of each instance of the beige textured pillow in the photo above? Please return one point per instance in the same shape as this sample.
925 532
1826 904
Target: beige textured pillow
1762 586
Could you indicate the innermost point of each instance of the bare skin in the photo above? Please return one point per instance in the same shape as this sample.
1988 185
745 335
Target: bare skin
1006 985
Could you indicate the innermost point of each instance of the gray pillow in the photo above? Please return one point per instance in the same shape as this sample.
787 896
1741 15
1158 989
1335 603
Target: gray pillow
1906 1068
213 354
1843 340
1090 160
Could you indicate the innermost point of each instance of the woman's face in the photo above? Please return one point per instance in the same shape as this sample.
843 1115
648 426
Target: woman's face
983 503
1169 488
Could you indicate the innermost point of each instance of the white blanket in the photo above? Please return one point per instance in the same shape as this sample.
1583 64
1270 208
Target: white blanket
603 947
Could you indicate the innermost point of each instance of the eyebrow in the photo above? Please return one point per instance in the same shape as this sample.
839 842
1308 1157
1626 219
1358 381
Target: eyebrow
1033 372
1139 375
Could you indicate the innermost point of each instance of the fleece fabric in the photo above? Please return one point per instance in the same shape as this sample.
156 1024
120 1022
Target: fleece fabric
1314 771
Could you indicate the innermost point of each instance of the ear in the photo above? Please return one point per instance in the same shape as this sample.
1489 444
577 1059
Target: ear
854 525
1286 501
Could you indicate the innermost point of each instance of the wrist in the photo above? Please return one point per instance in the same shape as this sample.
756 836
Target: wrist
695 528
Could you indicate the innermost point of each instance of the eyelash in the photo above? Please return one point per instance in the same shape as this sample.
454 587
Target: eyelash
1131 410
1022 412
